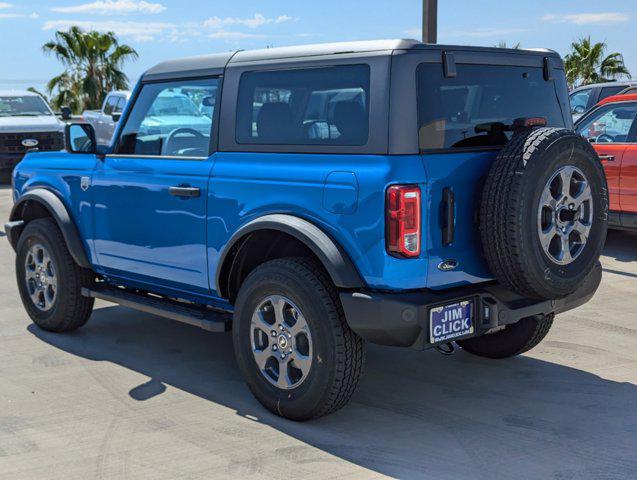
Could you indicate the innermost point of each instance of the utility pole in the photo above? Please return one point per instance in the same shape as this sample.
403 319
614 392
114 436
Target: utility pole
430 21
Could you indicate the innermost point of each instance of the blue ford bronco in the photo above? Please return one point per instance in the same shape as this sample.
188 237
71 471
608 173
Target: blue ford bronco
314 198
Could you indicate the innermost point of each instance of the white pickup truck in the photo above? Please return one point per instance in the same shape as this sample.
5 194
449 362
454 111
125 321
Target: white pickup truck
26 123
104 120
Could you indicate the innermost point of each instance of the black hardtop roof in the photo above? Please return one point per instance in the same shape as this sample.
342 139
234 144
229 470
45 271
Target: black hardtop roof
214 64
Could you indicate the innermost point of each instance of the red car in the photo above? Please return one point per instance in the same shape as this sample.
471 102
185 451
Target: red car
612 129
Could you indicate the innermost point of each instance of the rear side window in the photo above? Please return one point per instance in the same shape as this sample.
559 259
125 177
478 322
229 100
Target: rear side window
111 104
317 106
609 91
449 109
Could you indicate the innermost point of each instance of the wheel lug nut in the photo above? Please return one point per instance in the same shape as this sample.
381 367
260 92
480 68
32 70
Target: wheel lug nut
283 355
273 333
275 348
289 350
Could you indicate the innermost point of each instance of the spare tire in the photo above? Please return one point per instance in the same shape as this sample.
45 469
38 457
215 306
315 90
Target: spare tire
544 213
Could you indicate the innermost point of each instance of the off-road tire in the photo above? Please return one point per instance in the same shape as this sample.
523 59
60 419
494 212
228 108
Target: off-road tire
70 310
513 340
339 353
509 212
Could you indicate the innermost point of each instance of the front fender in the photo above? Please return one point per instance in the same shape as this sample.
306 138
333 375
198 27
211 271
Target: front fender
337 263
52 203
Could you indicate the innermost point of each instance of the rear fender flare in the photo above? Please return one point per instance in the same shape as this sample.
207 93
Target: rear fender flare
60 214
339 266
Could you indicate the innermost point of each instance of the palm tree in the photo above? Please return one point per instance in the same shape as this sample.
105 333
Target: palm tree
503 44
588 63
93 63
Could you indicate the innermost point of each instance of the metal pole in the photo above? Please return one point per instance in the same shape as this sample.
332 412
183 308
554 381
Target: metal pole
429 21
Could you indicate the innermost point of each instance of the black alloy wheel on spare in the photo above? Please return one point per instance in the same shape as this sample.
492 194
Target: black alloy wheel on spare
544 213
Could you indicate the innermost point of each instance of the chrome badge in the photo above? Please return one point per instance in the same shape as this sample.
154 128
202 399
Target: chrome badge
448 265
84 183
30 142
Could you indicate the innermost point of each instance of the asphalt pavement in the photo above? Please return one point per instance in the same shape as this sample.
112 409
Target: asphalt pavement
135 396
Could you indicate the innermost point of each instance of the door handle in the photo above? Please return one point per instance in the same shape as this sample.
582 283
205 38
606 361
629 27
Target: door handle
184 191
608 158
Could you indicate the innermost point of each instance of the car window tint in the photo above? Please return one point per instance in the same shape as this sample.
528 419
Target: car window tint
167 120
579 101
111 103
121 103
315 106
608 91
609 124
450 109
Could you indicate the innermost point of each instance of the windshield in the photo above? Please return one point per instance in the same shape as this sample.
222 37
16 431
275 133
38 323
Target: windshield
180 105
450 109
27 106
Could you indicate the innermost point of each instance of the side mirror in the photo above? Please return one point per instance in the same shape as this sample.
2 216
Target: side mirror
80 138
116 117
208 101
66 113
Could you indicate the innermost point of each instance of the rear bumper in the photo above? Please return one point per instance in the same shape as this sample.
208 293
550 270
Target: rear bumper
402 319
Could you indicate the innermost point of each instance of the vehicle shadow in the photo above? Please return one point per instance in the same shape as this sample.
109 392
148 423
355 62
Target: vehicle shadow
620 245
415 414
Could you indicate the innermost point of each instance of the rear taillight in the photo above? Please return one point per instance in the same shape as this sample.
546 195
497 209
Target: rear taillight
402 216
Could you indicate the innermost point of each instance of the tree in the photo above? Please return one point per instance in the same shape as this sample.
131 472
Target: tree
93 66
588 63
503 44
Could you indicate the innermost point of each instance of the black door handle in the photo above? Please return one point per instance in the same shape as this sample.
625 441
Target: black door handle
608 158
184 191
449 220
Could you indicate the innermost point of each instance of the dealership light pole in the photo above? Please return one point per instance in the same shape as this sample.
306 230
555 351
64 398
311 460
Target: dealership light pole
429 21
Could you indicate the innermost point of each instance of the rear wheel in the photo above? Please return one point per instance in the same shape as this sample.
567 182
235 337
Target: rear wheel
49 280
295 350
513 340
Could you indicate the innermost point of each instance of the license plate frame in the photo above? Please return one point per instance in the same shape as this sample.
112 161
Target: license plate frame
451 321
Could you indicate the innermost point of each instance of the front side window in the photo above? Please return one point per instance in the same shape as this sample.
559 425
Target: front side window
453 111
167 120
317 106
27 106
610 124
579 101
111 103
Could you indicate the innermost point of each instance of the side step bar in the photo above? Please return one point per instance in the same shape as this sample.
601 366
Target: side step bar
198 316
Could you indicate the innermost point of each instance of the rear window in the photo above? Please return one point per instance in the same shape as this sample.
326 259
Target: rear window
317 106
449 109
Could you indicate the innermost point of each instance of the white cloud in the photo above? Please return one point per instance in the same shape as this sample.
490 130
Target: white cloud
230 35
138 31
256 21
608 18
5 5
19 15
114 7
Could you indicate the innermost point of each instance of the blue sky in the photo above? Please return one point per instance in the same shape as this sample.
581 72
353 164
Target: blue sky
162 29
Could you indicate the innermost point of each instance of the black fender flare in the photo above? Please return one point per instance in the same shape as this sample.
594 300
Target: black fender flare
60 214
339 266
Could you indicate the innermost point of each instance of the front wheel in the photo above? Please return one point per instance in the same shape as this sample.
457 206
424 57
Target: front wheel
49 280
293 346
513 340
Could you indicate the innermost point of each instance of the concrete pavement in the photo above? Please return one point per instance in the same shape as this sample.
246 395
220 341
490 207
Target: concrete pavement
135 396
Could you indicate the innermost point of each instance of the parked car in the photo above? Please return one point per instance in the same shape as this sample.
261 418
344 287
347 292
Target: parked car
26 122
105 119
612 129
583 98
400 193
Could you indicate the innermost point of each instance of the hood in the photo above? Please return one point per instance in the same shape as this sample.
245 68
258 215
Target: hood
176 121
43 123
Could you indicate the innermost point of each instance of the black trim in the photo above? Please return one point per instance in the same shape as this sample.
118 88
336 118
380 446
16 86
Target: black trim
449 216
13 231
402 319
449 65
337 263
91 135
60 214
